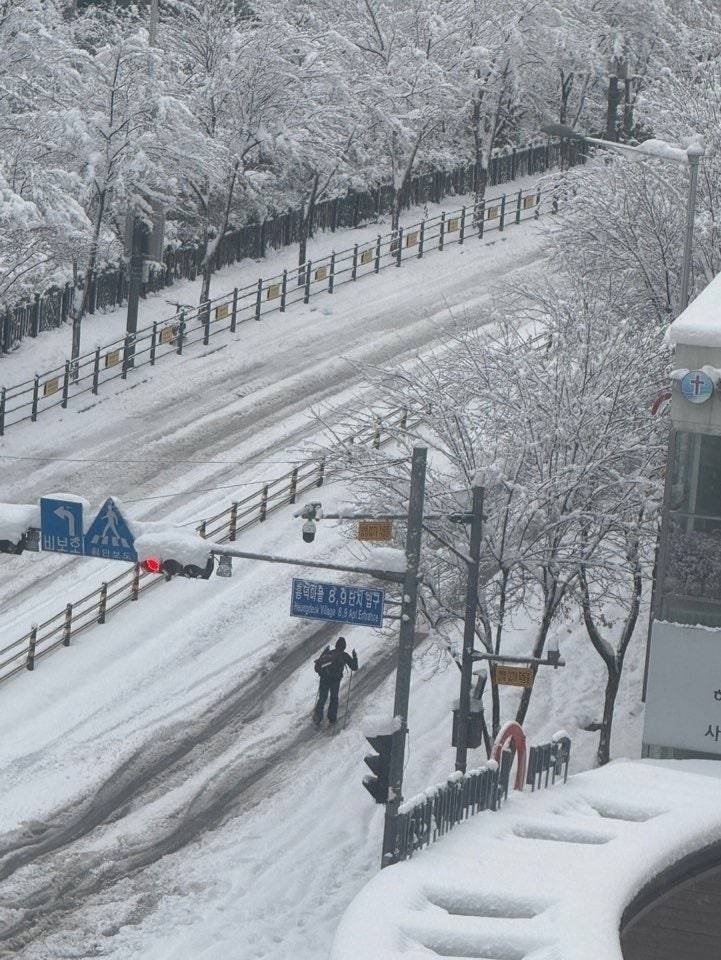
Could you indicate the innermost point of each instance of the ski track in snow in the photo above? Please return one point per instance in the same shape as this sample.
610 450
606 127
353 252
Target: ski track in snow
164 793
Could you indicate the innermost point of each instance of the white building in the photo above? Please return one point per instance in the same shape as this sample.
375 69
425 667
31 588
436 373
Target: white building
683 668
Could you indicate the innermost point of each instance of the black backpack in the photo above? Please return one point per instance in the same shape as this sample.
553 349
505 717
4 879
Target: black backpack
325 660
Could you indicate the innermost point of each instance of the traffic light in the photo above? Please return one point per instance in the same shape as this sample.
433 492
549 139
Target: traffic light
174 568
378 785
30 540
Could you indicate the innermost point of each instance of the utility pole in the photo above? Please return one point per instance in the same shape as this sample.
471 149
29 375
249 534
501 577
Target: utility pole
469 629
694 154
405 650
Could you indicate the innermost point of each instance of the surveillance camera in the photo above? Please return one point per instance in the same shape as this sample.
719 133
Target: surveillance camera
309 531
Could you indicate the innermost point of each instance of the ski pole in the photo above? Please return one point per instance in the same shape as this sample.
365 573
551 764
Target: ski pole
347 701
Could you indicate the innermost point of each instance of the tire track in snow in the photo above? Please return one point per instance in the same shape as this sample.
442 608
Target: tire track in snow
76 876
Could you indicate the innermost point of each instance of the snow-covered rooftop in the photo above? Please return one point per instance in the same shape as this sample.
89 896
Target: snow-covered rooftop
552 872
700 322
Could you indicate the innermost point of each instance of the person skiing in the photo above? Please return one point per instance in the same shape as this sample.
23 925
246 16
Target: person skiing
330 666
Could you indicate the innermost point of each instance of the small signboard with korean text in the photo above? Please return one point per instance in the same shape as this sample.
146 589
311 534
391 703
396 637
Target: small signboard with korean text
342 603
377 531
513 676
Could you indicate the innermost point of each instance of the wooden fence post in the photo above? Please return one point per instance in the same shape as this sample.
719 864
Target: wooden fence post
399 251
66 385
135 585
68 625
233 525
502 221
126 356
234 311
32 640
206 323
404 419
421 239
34 408
103 602
538 204
153 343
308 271
442 232
202 528
377 433
293 485
519 203
321 473
2 411
354 271
378 254
264 503
259 298
462 234
331 278
481 219
283 290
181 332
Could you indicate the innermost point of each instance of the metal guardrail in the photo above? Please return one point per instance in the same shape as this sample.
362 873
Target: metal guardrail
57 387
133 582
424 819
109 287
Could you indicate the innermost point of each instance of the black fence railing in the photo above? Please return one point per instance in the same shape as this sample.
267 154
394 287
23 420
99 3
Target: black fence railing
426 818
94 371
109 287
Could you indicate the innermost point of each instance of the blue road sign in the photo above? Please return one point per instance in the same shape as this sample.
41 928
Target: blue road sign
61 525
343 603
109 535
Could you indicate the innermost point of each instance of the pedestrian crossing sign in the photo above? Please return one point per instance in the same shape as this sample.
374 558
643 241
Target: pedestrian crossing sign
109 535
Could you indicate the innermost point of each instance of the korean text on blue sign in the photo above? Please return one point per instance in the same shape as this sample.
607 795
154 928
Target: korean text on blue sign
316 600
61 525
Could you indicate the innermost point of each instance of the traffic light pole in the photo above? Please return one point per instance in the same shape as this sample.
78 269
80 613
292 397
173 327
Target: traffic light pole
469 629
405 651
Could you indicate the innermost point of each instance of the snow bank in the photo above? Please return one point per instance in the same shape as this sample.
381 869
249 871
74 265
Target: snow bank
595 842
171 543
700 322
16 518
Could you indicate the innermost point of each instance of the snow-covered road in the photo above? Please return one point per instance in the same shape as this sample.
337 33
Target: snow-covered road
242 402
163 796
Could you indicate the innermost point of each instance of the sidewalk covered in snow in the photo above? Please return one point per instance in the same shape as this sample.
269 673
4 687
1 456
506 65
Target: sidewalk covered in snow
551 875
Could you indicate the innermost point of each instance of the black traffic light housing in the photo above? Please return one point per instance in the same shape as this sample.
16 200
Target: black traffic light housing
378 784
173 568
30 540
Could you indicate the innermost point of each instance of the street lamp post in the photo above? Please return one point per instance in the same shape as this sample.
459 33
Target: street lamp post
690 157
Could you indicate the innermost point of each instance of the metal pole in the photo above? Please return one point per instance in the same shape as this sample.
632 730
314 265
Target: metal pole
405 650
694 156
469 629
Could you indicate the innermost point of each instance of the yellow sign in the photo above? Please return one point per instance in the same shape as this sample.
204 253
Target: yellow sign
375 530
452 225
412 239
366 256
273 291
112 359
166 335
492 213
529 202
321 273
221 312
513 676
51 386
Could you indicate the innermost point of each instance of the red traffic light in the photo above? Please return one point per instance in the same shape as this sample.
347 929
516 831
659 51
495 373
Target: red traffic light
152 565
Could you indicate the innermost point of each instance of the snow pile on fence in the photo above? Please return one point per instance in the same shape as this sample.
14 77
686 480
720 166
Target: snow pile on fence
595 842
171 543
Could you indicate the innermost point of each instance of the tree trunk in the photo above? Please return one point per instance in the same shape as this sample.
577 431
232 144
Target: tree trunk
537 652
210 259
306 229
604 744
